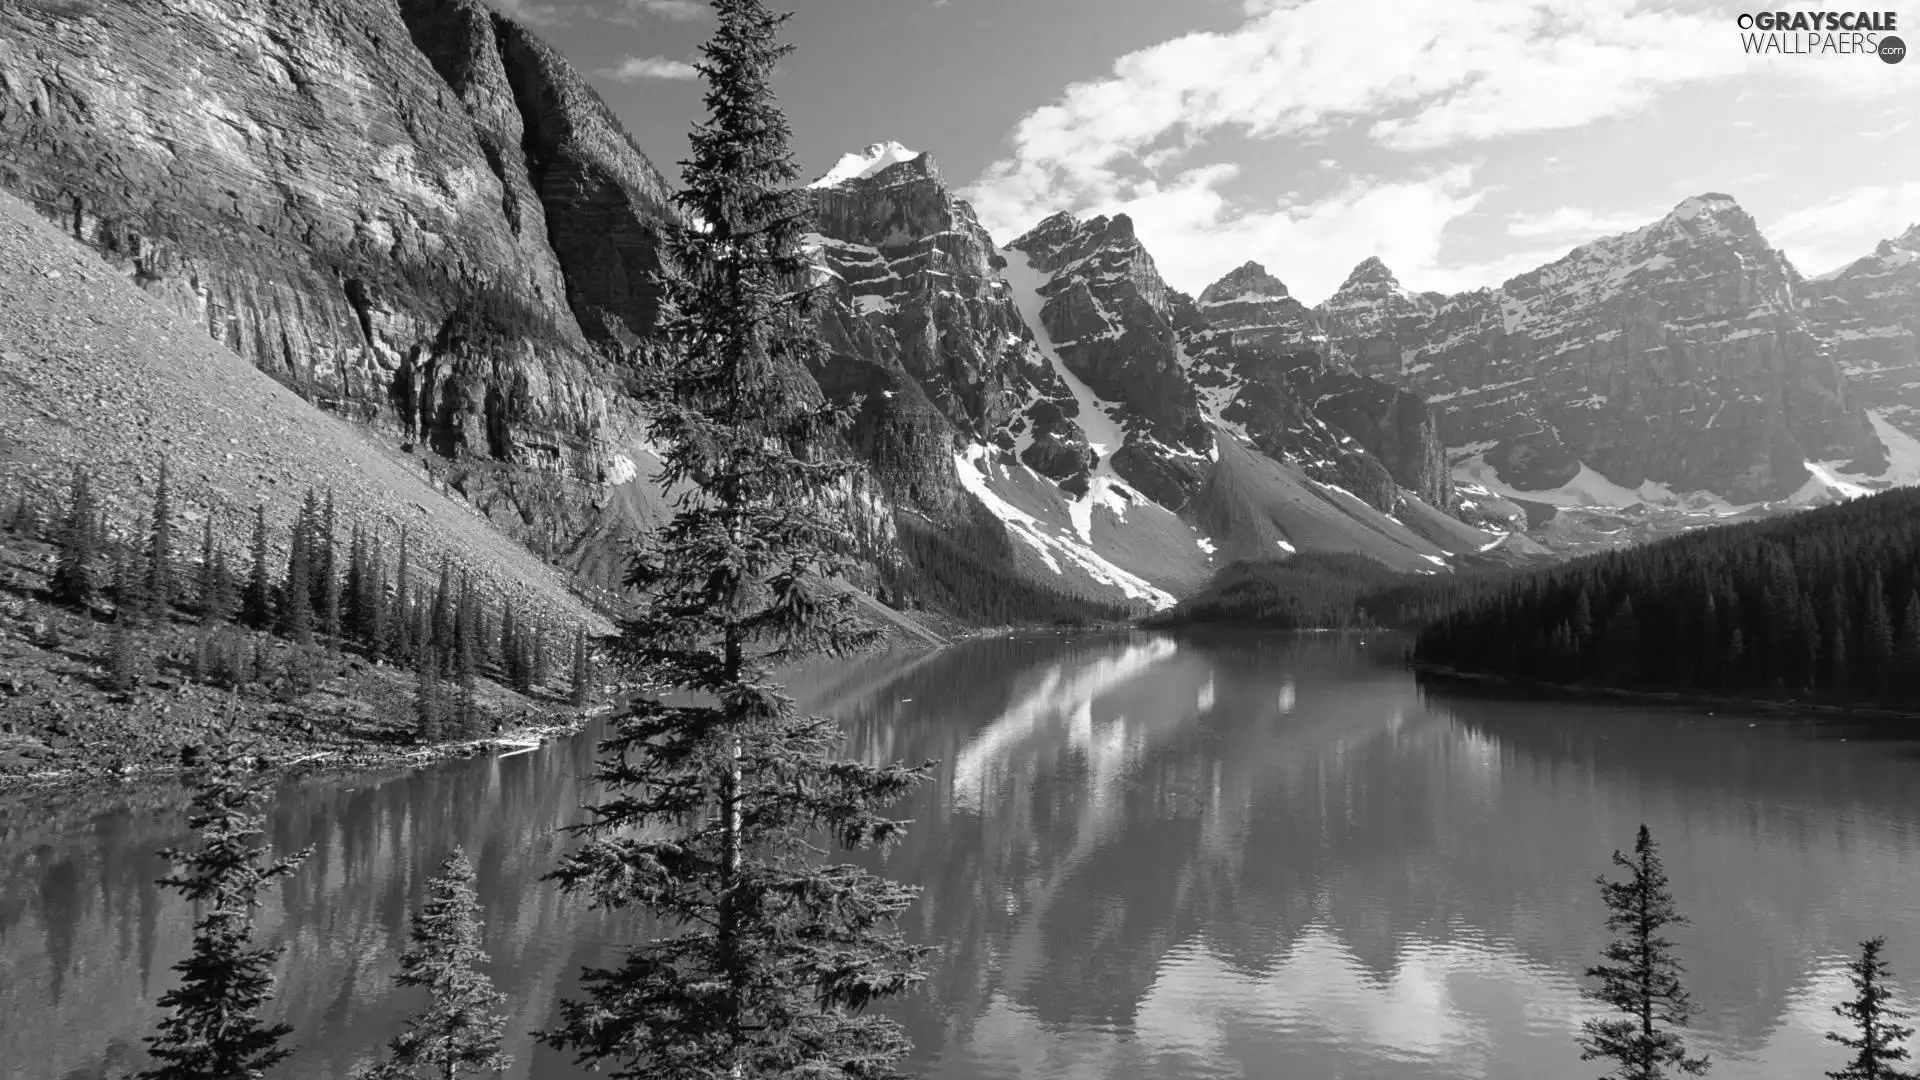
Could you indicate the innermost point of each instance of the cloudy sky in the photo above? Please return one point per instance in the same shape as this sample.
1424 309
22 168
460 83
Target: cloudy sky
1461 142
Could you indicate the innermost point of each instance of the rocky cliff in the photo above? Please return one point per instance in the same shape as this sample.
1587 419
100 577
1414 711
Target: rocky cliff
1260 361
413 214
1869 315
1680 353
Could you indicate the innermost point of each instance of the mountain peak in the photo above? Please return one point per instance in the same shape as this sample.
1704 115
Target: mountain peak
1248 281
1371 271
875 159
1709 204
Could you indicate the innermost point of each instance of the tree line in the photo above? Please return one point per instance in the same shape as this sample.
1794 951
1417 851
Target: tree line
324 597
1822 606
1325 591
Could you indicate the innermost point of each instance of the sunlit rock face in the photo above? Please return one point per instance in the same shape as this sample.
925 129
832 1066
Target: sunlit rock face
1869 315
413 213
1681 352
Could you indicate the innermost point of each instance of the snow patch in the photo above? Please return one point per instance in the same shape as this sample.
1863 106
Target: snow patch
868 162
974 467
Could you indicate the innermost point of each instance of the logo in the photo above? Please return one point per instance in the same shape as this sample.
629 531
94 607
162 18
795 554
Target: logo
1822 33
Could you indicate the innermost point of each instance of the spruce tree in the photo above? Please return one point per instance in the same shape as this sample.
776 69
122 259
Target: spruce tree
257 604
429 699
582 689
459 1032
1878 1040
1908 651
213 1026
330 615
73 579
354 588
296 589
326 563
401 646
123 649
1876 640
160 585
1641 978
374 603
767 959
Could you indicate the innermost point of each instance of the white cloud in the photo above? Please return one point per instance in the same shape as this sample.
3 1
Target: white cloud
1834 232
530 12
1577 224
635 68
677 10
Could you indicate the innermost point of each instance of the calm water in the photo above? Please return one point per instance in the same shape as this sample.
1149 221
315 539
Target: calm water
1145 857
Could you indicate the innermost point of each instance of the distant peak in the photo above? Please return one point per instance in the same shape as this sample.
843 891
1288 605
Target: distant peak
1711 203
1370 271
876 158
1246 282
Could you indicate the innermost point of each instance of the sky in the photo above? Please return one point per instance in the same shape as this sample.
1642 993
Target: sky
1461 142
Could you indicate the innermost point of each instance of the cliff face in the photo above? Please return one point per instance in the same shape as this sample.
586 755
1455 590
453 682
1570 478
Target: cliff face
1869 316
923 325
412 214
1258 357
1678 353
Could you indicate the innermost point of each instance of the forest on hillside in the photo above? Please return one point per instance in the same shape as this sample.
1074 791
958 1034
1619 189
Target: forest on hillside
1822 606
1324 591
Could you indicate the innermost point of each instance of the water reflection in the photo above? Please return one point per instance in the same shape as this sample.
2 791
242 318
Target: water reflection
1144 857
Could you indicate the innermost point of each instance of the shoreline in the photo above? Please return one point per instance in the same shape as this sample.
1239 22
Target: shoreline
1703 702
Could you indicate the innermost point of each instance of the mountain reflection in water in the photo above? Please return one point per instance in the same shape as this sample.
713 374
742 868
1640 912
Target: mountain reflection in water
1144 856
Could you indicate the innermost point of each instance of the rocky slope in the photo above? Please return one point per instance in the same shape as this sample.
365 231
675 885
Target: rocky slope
95 373
1059 371
1869 313
413 214
1680 354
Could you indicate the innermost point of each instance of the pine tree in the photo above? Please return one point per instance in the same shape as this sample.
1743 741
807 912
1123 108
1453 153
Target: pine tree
429 699
1835 637
123 649
213 1026
160 586
440 625
326 562
354 588
1876 640
296 588
1908 652
257 604
582 672
216 590
375 602
458 1032
401 617
1879 1040
767 959
538 662
1641 977
73 579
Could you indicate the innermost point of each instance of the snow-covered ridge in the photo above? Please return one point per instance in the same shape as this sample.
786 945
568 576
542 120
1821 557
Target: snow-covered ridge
875 158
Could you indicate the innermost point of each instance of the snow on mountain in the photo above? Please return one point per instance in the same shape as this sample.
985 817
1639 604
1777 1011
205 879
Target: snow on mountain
869 162
1680 353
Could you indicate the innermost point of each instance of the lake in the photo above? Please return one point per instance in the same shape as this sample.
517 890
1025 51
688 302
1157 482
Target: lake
1144 856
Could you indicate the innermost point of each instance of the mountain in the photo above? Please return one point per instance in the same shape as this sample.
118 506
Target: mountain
1869 313
1681 354
1059 370
415 215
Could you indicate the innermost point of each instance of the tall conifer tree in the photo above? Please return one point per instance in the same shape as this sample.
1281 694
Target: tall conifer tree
458 1033
1641 978
213 1026
1877 1039
74 580
767 959
257 605
161 588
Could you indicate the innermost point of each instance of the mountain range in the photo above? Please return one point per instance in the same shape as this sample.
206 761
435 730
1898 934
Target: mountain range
417 215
